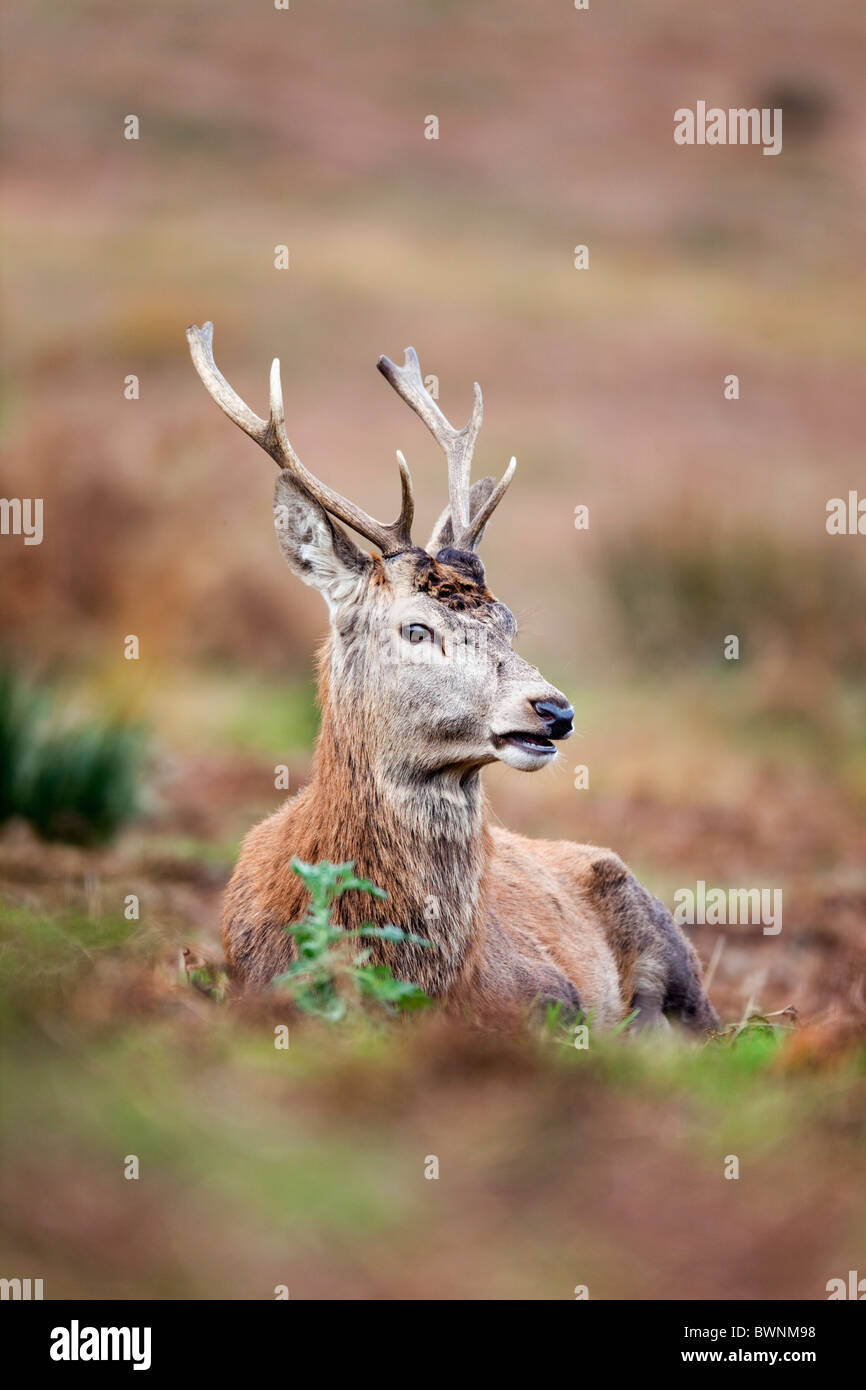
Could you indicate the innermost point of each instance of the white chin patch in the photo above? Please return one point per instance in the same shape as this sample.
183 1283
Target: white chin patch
525 758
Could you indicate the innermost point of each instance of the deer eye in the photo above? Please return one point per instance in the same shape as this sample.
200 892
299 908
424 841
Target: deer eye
418 632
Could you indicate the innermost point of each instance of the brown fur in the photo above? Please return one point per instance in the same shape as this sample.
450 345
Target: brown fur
447 585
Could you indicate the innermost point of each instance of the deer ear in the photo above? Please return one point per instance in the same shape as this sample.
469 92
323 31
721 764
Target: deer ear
443 532
316 550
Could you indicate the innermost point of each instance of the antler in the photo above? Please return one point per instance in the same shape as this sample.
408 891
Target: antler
271 435
458 446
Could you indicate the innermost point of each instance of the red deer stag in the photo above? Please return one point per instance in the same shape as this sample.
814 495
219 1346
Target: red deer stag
419 689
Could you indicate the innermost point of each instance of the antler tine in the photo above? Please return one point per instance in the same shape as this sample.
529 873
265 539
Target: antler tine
471 537
458 445
271 435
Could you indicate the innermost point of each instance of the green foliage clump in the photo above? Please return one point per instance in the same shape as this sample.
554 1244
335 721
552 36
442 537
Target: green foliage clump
84 784
333 969
73 782
19 716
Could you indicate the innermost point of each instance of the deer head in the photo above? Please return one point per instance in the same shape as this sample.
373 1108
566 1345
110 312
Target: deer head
421 671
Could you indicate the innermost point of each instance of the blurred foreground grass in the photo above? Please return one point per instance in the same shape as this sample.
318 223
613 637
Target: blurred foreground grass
261 1166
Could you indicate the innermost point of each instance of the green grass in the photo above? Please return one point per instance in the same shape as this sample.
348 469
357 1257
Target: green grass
272 718
43 958
219 854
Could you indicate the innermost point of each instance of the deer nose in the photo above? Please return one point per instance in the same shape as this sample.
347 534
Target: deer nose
559 717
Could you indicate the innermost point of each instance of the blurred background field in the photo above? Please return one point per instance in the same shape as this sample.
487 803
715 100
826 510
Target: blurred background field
306 127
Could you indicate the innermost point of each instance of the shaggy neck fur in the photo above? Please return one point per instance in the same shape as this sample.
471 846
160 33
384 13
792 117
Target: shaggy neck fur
425 841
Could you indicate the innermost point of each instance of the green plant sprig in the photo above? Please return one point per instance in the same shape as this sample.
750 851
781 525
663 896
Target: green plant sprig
328 958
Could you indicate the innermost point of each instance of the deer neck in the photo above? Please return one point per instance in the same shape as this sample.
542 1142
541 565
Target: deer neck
424 840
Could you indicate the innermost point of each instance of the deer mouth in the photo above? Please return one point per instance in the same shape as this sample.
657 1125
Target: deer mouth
537 744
